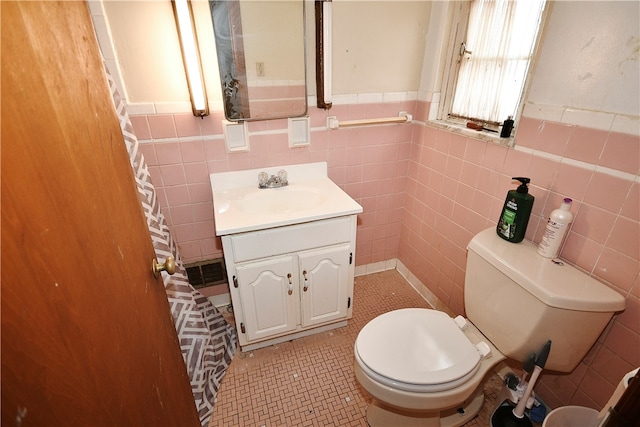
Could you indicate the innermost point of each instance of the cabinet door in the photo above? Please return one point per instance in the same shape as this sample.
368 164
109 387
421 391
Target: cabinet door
269 293
324 277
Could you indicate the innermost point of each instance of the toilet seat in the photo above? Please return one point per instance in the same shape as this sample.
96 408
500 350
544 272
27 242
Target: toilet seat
417 350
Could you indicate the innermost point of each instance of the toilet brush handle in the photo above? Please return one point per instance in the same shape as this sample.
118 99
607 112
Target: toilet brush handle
528 366
541 360
518 411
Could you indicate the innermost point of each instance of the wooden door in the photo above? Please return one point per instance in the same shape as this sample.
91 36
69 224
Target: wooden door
87 336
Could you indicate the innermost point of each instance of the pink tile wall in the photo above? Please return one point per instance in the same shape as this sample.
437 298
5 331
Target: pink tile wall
370 163
456 187
425 193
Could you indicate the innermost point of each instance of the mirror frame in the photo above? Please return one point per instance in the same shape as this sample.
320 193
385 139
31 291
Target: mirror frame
323 53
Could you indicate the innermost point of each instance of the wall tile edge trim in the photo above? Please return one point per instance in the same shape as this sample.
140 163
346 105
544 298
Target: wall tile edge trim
612 122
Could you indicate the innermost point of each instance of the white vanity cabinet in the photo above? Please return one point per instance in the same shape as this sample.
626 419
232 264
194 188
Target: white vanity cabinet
267 298
324 280
289 251
291 281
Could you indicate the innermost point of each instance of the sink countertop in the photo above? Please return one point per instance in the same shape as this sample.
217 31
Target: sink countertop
239 206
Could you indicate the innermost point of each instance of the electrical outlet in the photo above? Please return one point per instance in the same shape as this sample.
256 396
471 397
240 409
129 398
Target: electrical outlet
260 69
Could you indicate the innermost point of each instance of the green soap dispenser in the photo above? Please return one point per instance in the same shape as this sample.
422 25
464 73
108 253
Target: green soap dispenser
515 213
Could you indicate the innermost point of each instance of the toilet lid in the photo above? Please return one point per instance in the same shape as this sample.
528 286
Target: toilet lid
416 346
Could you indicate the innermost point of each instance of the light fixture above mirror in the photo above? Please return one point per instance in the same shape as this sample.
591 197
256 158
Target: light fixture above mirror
191 57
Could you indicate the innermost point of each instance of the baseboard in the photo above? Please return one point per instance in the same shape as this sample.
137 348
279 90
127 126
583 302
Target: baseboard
396 264
221 300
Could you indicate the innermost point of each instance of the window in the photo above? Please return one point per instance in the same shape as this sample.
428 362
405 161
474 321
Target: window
492 58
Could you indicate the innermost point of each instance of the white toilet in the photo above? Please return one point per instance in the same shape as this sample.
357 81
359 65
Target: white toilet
424 368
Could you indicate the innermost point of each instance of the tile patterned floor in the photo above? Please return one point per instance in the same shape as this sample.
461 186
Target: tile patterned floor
310 381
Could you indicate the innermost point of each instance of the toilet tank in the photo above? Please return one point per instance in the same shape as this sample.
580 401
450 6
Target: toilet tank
519 300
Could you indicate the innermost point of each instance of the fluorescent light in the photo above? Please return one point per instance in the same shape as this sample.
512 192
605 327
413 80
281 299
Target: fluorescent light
191 56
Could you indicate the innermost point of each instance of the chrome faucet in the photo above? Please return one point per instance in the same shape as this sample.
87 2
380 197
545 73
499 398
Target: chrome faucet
273 181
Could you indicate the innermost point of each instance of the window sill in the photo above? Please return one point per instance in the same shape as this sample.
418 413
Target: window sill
482 135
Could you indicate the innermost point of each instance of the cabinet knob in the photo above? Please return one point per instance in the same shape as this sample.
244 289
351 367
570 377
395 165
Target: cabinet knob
306 280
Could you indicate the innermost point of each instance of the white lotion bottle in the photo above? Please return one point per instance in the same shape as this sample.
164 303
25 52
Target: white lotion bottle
556 229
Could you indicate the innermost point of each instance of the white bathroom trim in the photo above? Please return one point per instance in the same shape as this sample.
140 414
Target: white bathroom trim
412 279
221 300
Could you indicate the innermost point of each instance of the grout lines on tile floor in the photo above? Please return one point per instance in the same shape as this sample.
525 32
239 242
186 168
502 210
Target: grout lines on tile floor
310 381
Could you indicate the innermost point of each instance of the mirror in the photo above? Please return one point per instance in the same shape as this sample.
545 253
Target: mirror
261 57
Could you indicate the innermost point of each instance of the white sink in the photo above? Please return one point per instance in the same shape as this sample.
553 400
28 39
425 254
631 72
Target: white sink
289 199
240 206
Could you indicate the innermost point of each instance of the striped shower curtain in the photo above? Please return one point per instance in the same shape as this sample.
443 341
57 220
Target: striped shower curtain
207 341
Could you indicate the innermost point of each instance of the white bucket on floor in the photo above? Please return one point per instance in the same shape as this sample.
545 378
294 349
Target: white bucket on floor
571 416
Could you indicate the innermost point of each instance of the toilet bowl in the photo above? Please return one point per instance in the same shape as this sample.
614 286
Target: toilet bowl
423 367
390 366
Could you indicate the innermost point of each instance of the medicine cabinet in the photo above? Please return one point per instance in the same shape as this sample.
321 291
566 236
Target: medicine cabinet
261 57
